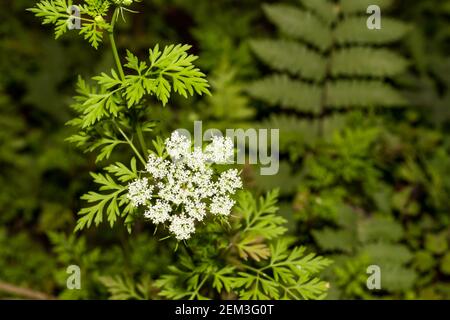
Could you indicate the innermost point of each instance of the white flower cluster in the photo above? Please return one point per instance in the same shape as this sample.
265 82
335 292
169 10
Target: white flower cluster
186 189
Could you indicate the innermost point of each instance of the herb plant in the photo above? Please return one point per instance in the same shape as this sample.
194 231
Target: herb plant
241 251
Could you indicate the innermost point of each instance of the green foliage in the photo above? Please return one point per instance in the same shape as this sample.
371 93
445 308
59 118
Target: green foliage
114 203
228 102
328 64
359 188
255 264
329 49
254 261
125 289
14 251
60 14
428 80
364 242
104 108
170 69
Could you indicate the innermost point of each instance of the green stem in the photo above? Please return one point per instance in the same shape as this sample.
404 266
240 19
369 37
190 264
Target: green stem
113 45
195 293
138 154
141 139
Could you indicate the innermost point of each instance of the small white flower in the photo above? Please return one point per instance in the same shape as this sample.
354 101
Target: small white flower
139 192
182 227
196 160
220 150
229 181
221 205
187 189
196 209
178 146
159 213
157 167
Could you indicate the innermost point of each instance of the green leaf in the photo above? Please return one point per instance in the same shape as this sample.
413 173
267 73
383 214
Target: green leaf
107 146
436 243
360 6
385 253
445 264
367 62
54 12
353 30
259 217
335 240
299 24
96 8
323 8
291 57
108 81
109 203
280 90
124 288
58 13
170 70
122 172
92 33
380 229
289 275
352 93
223 279
99 106
395 278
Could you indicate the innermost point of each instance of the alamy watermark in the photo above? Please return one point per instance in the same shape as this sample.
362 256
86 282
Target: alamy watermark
374 280
74 21
73 281
252 145
374 21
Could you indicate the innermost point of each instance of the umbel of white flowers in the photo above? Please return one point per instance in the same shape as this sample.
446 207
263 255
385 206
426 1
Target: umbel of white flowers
183 191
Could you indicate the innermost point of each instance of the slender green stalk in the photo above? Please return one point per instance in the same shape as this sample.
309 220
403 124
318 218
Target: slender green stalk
138 154
113 45
141 139
196 292
122 76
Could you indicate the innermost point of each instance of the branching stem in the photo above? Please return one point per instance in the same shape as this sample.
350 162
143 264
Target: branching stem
128 140
196 292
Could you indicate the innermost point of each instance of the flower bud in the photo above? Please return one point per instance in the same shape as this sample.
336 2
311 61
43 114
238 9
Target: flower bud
99 19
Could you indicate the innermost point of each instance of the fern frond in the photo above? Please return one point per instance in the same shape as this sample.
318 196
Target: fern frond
292 57
299 24
280 90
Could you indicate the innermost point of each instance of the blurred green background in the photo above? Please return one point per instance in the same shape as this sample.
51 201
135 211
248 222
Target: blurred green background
372 186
